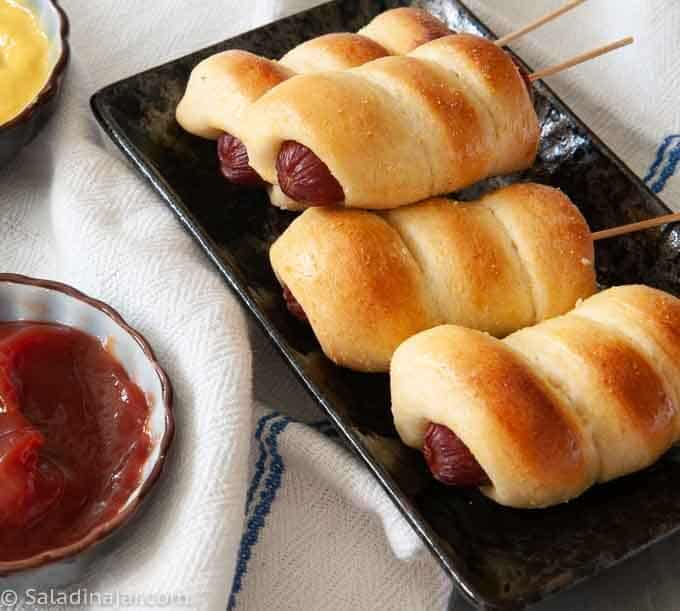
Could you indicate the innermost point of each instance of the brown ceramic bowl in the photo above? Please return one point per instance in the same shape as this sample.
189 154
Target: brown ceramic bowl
23 298
18 132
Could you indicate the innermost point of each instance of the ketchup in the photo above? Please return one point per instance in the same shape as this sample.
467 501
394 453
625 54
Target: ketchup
73 436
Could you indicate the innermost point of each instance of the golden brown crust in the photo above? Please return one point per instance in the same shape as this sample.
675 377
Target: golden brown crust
455 137
469 263
457 265
456 128
553 241
494 80
656 311
402 129
401 30
650 319
365 140
535 452
338 51
578 385
625 375
357 283
612 387
221 87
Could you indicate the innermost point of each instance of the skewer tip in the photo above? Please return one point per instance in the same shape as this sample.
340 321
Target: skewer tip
581 58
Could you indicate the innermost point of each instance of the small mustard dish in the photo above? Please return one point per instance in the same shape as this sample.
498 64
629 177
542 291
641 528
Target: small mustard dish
23 58
33 57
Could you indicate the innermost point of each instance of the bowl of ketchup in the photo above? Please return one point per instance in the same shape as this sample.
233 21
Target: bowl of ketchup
85 422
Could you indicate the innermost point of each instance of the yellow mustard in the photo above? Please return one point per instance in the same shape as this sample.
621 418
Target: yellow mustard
23 58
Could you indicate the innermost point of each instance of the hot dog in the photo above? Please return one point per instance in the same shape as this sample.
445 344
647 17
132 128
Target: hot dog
450 460
234 165
303 177
314 184
400 128
293 306
222 86
550 410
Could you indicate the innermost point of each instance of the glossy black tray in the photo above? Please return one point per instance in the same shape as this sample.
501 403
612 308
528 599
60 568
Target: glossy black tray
500 558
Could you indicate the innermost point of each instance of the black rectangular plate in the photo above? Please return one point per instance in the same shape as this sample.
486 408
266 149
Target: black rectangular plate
500 558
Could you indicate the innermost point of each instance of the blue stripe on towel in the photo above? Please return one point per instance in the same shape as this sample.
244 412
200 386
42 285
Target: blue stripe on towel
256 522
665 164
661 151
668 170
259 465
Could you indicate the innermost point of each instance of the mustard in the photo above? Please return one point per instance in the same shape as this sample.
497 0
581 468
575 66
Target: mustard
23 59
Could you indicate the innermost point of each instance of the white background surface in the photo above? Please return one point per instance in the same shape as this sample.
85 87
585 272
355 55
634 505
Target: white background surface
72 210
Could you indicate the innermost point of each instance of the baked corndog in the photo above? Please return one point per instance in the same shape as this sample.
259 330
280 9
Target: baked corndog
367 281
223 85
537 418
395 130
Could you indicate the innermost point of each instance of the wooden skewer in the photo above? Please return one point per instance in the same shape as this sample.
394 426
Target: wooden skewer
579 59
639 226
530 27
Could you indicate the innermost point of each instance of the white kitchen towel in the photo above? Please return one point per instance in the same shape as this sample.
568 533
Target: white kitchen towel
257 511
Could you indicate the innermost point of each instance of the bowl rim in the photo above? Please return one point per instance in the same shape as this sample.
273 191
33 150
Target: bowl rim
51 87
102 530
